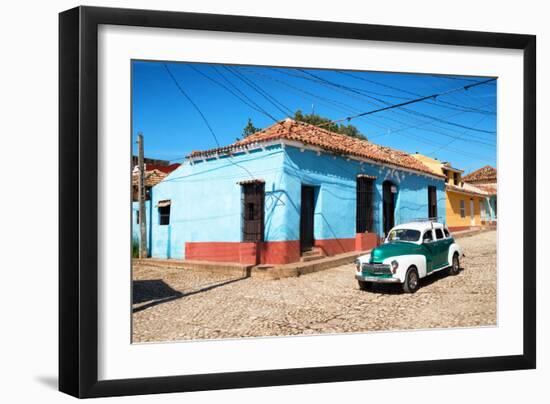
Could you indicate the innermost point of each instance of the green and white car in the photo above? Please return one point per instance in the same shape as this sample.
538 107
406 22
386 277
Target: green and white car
411 251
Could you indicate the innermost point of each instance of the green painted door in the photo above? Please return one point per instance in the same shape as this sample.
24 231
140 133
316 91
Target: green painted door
429 245
441 249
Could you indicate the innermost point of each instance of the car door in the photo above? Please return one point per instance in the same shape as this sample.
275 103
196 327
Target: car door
441 248
429 246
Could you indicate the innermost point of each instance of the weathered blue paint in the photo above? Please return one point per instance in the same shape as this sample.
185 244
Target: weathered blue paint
206 201
206 197
490 208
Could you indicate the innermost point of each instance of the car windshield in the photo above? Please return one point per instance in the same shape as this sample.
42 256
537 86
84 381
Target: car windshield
403 235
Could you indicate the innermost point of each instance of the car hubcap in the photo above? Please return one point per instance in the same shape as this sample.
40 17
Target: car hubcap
412 280
455 264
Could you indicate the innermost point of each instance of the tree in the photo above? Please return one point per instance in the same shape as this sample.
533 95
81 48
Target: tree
249 129
317 120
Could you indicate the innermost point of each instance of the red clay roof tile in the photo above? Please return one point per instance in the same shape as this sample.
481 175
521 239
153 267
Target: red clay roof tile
484 174
326 140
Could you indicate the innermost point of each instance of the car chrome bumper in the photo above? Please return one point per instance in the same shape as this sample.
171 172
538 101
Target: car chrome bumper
377 279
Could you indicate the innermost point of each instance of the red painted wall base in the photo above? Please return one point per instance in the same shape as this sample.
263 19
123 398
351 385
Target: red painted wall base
273 252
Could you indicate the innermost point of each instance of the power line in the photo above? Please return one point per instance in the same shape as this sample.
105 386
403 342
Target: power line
417 100
455 139
286 111
193 104
182 91
409 102
330 103
350 108
449 105
242 99
359 115
470 139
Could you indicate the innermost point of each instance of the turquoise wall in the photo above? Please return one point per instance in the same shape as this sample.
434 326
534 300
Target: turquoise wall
206 197
206 200
335 182
491 208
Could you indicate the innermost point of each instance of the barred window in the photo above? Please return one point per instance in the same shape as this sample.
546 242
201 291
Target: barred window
164 215
164 212
253 196
462 209
364 203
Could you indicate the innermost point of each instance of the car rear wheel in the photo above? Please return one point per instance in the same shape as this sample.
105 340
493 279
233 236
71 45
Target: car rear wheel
365 285
412 281
455 267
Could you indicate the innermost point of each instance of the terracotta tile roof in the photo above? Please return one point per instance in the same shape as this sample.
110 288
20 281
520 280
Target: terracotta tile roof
326 140
484 174
154 173
167 169
152 177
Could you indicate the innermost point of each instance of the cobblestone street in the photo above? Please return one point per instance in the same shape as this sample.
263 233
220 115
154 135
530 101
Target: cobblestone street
174 304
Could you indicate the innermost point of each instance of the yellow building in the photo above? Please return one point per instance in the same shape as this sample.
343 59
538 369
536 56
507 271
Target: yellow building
467 206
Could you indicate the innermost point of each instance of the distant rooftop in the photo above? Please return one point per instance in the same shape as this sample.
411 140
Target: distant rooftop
484 174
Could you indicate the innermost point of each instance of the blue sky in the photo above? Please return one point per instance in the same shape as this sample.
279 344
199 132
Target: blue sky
459 127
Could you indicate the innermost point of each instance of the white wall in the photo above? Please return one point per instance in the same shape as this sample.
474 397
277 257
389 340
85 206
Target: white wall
28 157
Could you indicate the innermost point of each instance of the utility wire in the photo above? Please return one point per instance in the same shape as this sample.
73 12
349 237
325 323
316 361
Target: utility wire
235 94
277 104
409 102
451 105
328 102
262 110
417 100
348 108
182 91
460 135
455 139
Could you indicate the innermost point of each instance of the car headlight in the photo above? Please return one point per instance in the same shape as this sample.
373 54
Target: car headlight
394 265
358 265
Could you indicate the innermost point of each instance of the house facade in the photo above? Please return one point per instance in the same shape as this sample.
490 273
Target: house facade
155 172
467 205
285 190
485 178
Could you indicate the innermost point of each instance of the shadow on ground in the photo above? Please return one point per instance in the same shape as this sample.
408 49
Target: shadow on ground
149 293
155 289
397 289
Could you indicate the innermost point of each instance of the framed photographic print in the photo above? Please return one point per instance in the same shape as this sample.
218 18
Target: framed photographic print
251 201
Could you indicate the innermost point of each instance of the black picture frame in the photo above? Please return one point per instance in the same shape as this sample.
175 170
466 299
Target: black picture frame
78 196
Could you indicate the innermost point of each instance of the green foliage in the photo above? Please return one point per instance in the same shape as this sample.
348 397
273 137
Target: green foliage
135 248
327 124
249 129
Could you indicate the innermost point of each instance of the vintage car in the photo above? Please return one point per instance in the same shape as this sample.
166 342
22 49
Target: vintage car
410 252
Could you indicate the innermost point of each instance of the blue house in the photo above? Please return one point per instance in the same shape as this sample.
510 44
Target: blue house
286 190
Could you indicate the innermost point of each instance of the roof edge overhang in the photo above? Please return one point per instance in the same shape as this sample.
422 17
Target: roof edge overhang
305 146
466 192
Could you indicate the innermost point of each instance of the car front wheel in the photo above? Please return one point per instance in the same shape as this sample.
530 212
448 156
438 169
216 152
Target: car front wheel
412 281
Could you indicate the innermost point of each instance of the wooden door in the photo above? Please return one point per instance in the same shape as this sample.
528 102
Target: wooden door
306 218
389 206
